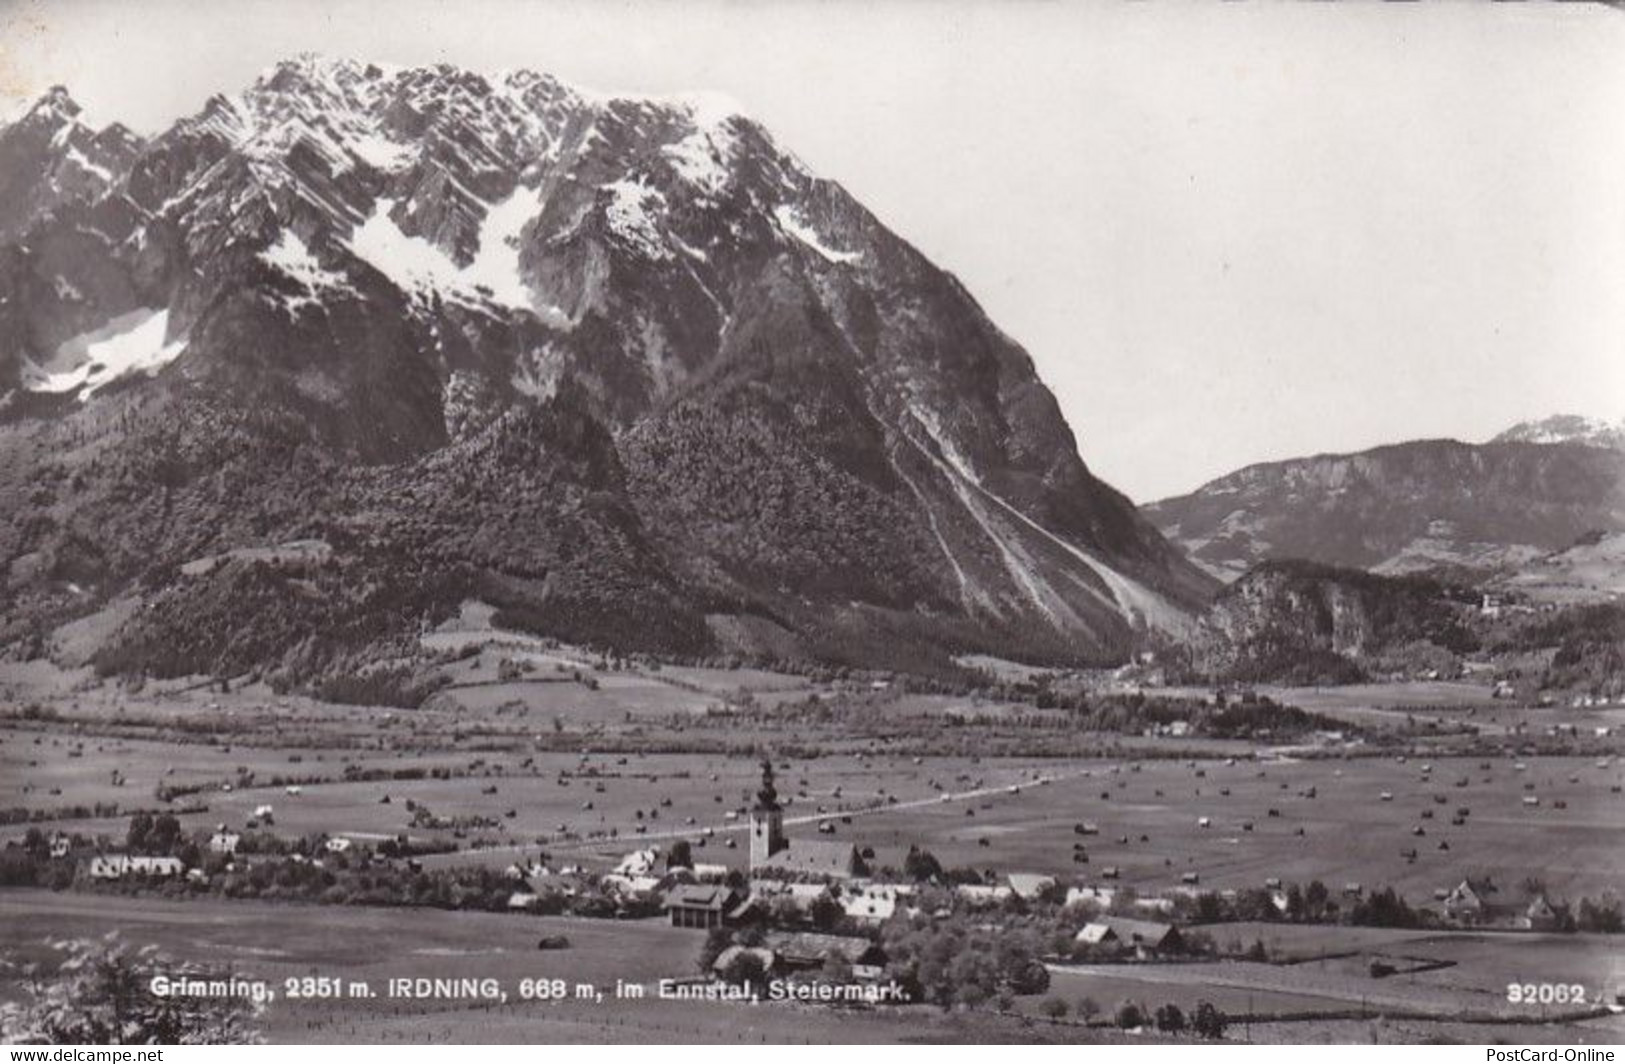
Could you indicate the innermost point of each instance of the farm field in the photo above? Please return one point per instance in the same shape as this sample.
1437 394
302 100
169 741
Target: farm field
375 945
1461 975
274 942
982 813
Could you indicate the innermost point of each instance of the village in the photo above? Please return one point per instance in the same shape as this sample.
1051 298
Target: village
815 910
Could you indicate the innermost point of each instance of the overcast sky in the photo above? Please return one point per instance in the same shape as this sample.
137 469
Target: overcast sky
1225 233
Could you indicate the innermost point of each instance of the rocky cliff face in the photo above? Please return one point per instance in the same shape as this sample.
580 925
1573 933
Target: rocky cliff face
602 359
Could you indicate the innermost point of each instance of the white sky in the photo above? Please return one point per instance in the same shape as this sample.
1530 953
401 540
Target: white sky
1226 233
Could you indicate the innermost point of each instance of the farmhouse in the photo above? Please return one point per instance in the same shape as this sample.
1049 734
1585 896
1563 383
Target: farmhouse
1097 896
873 903
808 950
801 895
703 905
638 884
1540 916
1468 902
1027 885
769 848
1144 938
639 863
225 842
1095 935
982 893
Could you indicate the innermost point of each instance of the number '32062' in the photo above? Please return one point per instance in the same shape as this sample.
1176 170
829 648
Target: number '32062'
1546 993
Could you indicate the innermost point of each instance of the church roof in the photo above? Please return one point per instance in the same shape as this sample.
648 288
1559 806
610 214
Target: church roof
815 857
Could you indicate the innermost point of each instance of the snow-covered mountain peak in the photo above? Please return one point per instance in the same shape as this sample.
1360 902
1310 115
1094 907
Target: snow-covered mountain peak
1566 428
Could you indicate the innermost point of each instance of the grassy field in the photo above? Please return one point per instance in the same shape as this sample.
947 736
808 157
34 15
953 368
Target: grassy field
276 942
987 813
1458 975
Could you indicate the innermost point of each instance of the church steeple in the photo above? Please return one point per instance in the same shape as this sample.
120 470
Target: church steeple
766 820
767 797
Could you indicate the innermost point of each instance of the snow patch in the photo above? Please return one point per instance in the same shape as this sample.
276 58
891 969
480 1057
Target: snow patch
290 255
697 160
379 152
77 157
631 216
418 267
704 157
496 263
790 221
130 343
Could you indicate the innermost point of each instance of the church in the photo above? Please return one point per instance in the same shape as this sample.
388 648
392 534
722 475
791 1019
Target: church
771 851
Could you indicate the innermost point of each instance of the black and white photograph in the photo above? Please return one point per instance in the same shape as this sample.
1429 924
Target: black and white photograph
810 522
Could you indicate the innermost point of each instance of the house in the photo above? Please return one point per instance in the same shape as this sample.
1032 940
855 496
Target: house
102 867
225 842
1027 885
1540 916
1097 935
982 893
1469 901
1161 906
1101 897
639 863
338 845
60 844
804 949
802 895
872 903
703 905
1144 938
641 884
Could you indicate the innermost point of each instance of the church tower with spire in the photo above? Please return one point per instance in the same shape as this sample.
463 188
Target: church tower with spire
766 821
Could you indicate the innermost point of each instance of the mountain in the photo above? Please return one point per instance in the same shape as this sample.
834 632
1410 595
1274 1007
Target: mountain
1460 509
622 367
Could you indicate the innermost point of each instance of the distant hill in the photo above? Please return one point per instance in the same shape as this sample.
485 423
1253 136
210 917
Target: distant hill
1467 510
1592 570
1298 622
1305 623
